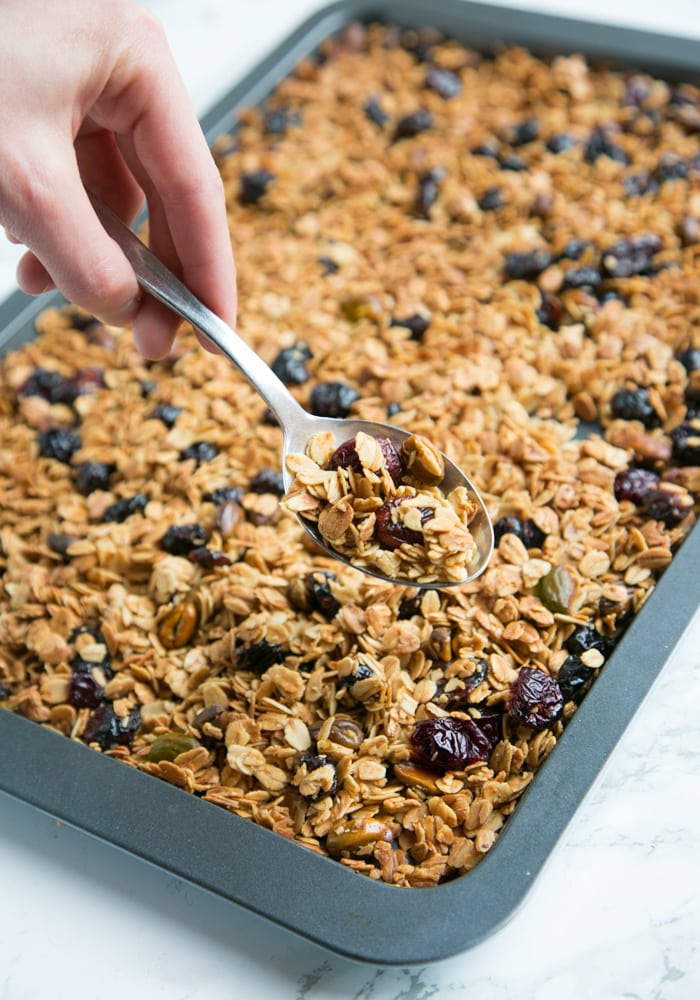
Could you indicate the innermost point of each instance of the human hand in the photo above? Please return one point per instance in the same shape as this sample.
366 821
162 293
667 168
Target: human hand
91 97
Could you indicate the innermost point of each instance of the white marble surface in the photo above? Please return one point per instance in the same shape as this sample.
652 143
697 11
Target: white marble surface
614 914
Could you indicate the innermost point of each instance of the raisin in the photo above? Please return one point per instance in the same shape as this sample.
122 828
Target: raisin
491 199
58 443
259 656
417 324
634 404
373 111
599 143
108 729
90 476
560 142
121 509
180 539
630 256
411 606
222 494
254 185
535 698
290 364
551 310
444 82
314 762
581 277
585 637
685 442
278 120
200 451
523 528
41 382
528 265
167 413
208 558
428 190
332 399
556 589
320 595
267 481
390 533
413 124
634 484
345 457
573 678
667 506
451 744
85 691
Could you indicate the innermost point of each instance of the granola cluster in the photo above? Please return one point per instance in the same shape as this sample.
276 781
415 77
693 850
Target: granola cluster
498 252
382 508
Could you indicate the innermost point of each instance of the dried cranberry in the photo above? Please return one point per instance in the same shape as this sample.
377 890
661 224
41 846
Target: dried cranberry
535 698
85 691
666 506
560 142
267 481
634 404
58 443
108 729
551 311
581 277
320 595
491 199
121 509
630 256
332 399
451 744
573 678
167 413
208 558
278 120
345 457
222 494
443 81
428 190
599 143
528 265
585 637
685 442
180 539
390 533
634 484
254 185
417 324
523 528
259 656
413 124
200 451
90 476
374 112
290 364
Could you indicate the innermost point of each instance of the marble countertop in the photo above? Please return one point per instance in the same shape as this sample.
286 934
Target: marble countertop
616 911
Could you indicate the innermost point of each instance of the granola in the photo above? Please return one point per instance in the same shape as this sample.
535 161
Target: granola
497 252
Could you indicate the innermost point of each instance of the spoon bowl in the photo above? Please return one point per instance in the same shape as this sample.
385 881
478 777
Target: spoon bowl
297 424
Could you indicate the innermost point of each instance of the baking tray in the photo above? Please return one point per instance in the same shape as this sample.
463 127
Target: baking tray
246 864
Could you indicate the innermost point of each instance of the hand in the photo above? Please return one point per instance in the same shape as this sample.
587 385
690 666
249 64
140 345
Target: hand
91 98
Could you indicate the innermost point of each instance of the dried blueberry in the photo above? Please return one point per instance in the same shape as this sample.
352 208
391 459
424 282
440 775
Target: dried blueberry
222 494
373 110
277 120
108 729
42 382
690 359
685 442
487 149
630 256
511 161
634 484
634 404
58 443
82 383
523 528
560 142
167 413
573 678
413 124
200 451
417 324
332 399
267 481
585 637
524 132
491 199
528 265
179 539
121 509
254 185
314 762
320 595
428 190
638 184
535 698
392 409
85 691
600 143
451 744
329 265
259 656
147 387
290 364
443 81
581 277
670 168
573 249
90 476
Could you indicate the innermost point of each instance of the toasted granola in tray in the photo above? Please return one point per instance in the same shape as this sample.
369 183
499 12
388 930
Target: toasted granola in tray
489 251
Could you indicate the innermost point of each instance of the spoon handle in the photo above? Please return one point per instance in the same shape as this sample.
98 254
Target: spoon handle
162 284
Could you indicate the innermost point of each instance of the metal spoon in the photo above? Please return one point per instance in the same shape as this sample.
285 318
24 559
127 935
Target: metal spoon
297 425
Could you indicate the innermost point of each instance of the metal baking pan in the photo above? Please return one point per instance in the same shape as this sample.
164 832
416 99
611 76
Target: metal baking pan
252 867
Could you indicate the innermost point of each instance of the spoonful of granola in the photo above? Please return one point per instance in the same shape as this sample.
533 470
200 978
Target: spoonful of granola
371 494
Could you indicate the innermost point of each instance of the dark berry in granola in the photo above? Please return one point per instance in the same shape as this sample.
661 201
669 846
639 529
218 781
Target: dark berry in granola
633 484
634 404
601 143
85 691
630 256
454 695
551 310
428 190
329 265
416 323
82 383
573 249
328 781
332 399
259 656
222 494
411 606
581 277
290 364
108 729
573 678
277 120
535 698
320 595
523 528
42 382
491 199
390 533
200 451
443 81
585 637
666 506
59 443
179 539
671 168
524 132
511 161
267 481
488 149
208 558
345 457
91 476
254 185
685 442
560 142
452 744
413 124
373 110
167 413
147 387
121 509
527 265
59 542
690 359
